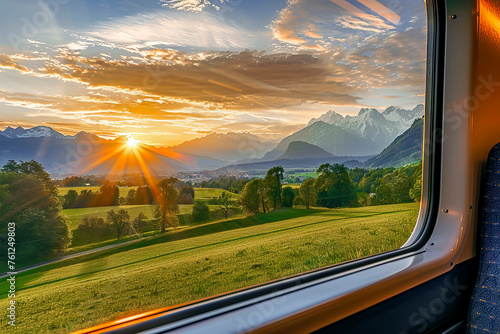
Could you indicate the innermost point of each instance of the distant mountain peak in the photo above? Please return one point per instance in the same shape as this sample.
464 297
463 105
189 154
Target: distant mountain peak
330 117
37 131
368 110
389 110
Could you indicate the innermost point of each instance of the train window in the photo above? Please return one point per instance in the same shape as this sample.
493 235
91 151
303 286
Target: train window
159 153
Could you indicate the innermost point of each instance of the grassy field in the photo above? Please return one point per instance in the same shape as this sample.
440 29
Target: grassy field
200 261
204 193
304 175
75 215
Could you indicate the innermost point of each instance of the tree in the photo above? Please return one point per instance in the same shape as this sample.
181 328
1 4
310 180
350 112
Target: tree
91 224
200 211
371 180
86 199
416 189
335 187
399 186
167 208
70 199
186 195
250 198
308 193
119 220
140 221
29 198
110 195
130 197
92 228
144 195
288 197
73 181
273 180
225 203
357 174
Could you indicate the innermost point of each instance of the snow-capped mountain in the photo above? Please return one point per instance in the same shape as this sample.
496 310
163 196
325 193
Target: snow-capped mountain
35 132
403 116
381 128
330 117
333 139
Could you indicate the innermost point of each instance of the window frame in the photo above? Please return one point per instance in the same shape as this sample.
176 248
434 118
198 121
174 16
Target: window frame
314 297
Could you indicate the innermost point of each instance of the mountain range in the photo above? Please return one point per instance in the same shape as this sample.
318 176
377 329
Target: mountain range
87 153
35 132
381 128
330 138
230 147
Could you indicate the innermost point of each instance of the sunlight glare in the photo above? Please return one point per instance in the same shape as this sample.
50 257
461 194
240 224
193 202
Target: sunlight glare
132 142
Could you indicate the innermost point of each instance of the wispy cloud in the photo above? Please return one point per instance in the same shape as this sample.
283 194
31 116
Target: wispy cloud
193 5
184 29
307 23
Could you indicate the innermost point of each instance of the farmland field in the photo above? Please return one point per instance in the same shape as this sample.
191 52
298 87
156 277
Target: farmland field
75 215
200 261
201 193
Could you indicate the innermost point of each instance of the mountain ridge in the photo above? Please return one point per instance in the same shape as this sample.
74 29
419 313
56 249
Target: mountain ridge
379 127
405 149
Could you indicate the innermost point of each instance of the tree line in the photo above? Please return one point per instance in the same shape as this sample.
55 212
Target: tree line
109 195
335 186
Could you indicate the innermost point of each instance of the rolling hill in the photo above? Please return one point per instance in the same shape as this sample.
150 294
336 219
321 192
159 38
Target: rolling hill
303 150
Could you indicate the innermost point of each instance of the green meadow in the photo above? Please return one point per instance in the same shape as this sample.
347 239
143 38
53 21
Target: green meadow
205 193
75 215
200 261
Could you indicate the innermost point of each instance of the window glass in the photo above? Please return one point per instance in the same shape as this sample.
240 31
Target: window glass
163 151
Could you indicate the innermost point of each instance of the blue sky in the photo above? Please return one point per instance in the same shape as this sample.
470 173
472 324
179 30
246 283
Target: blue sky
167 71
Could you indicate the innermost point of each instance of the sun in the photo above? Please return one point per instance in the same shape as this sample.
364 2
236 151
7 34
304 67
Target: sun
132 142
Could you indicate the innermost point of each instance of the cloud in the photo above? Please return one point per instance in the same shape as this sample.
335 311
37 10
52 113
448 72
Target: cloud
398 60
187 5
183 29
7 62
170 79
307 23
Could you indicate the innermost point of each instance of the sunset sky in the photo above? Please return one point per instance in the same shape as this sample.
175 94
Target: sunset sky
166 71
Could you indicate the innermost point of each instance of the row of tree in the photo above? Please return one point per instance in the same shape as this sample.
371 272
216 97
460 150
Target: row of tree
336 186
108 195
229 183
